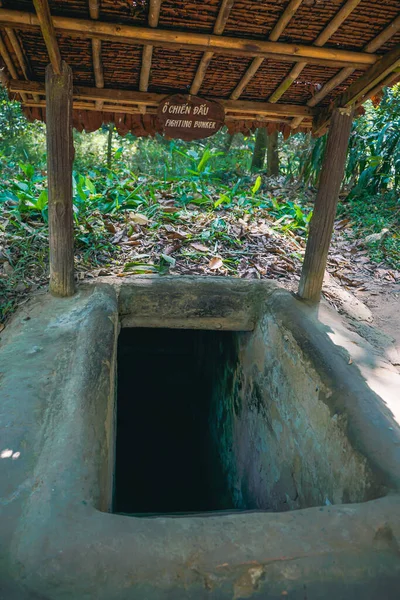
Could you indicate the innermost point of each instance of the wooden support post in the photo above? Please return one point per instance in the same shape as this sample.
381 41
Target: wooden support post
321 226
59 171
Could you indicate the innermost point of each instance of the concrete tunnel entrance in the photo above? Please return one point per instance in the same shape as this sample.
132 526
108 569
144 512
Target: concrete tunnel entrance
230 420
166 457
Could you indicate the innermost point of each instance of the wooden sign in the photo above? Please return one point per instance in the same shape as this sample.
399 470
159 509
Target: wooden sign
190 117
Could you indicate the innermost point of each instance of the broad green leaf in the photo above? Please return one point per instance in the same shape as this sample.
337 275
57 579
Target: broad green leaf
256 185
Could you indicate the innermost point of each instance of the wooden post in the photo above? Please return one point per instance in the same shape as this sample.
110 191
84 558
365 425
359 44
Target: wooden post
60 153
321 226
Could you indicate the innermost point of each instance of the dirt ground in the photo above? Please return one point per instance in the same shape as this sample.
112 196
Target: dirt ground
375 287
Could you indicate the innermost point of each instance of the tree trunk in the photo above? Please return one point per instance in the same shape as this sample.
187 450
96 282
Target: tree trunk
228 142
109 145
260 149
272 155
60 156
321 226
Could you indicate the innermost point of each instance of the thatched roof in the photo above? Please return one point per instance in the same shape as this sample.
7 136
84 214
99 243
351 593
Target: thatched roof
276 62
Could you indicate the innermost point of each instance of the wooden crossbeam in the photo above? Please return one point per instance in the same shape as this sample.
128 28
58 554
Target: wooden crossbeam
139 110
256 63
130 34
219 27
147 55
360 88
46 25
128 98
345 73
321 40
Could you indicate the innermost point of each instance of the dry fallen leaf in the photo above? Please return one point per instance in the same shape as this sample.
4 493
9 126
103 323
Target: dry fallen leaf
139 218
199 247
110 227
170 209
215 263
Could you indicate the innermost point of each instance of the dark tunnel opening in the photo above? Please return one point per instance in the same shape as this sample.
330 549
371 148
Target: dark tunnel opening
166 460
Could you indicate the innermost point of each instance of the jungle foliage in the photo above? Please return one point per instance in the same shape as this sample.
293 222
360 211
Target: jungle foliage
213 175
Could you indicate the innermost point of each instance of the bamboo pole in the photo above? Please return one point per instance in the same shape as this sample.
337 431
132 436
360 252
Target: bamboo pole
219 27
345 73
359 89
47 27
84 28
147 55
10 66
321 40
390 79
20 56
126 97
94 11
59 172
275 34
321 226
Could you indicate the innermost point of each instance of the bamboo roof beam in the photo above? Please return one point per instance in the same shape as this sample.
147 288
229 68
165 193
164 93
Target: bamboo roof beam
49 35
390 80
94 11
275 34
219 27
321 40
4 78
19 53
138 110
10 66
357 92
345 73
147 56
289 52
126 98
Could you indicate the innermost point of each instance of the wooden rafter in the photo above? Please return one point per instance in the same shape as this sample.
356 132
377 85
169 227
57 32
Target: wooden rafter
4 78
345 73
10 66
19 53
219 27
388 81
46 25
147 56
130 34
130 99
360 88
321 40
94 11
275 34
